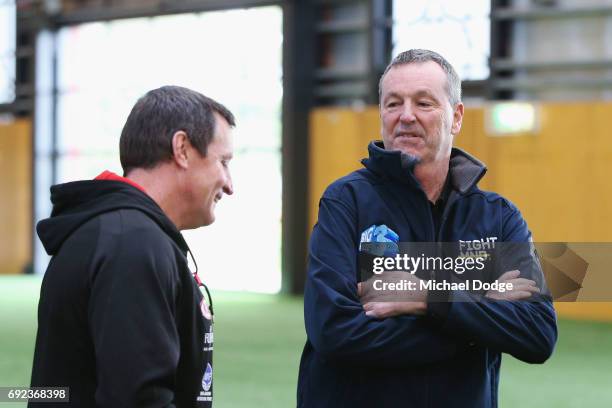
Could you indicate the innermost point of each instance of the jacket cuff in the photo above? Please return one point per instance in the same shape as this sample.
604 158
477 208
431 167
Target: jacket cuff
438 305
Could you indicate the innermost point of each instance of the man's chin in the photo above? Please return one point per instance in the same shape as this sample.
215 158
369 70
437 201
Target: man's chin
209 220
200 222
410 155
407 148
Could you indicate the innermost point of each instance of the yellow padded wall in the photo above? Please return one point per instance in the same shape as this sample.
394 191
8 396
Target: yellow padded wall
558 177
338 141
15 189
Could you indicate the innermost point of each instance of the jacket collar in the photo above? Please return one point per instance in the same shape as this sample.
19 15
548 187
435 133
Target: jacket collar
465 170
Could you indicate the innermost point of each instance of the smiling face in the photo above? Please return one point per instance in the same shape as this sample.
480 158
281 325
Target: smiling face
209 176
416 116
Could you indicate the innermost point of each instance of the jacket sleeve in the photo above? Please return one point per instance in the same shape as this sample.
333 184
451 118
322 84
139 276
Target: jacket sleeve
336 324
525 329
132 321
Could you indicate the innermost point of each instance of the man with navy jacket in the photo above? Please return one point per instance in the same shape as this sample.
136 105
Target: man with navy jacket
436 349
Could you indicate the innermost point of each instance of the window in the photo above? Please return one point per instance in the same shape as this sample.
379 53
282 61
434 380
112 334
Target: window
7 51
458 30
104 67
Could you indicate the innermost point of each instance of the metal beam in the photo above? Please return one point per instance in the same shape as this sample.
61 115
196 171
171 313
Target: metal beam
345 26
532 13
358 89
509 64
86 15
602 83
340 73
298 83
500 47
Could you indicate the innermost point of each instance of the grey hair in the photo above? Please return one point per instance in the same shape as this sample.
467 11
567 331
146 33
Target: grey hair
453 82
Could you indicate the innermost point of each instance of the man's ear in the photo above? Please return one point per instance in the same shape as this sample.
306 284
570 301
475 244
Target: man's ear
380 119
457 119
180 149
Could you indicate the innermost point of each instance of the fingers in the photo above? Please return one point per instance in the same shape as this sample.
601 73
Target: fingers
522 290
524 285
375 309
382 310
359 289
528 288
518 295
509 275
521 282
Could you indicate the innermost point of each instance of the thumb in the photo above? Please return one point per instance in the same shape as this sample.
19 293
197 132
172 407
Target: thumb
359 289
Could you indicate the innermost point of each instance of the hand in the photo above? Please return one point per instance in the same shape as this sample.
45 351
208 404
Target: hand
382 310
385 303
384 288
521 288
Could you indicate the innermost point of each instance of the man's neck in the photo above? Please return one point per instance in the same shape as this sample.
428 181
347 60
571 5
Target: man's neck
432 177
156 182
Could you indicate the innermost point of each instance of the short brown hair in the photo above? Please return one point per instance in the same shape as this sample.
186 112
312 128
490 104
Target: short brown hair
146 138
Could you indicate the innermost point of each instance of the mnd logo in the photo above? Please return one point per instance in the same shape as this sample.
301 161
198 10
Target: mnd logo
477 247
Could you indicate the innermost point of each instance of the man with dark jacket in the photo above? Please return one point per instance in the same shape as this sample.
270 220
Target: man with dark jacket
122 320
436 348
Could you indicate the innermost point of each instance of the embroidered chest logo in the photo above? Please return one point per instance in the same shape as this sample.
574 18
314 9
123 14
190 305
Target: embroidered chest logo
207 379
477 247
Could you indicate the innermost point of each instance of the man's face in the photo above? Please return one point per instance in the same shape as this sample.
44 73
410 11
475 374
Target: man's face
209 176
416 116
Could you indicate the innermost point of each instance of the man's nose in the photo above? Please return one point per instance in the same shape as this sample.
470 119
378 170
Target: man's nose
407 115
228 187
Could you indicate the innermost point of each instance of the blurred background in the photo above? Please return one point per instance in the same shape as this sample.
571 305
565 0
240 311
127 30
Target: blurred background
301 76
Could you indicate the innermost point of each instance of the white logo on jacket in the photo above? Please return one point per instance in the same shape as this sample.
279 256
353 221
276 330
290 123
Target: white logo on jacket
476 247
207 379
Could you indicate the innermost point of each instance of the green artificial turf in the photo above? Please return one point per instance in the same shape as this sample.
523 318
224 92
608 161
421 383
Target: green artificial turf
259 338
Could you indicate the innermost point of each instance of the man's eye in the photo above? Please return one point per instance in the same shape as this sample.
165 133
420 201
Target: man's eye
392 104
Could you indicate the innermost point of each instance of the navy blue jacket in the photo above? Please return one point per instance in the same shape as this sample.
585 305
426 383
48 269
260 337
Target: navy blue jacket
450 357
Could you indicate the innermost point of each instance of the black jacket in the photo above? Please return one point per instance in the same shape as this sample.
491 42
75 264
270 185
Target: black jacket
119 318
